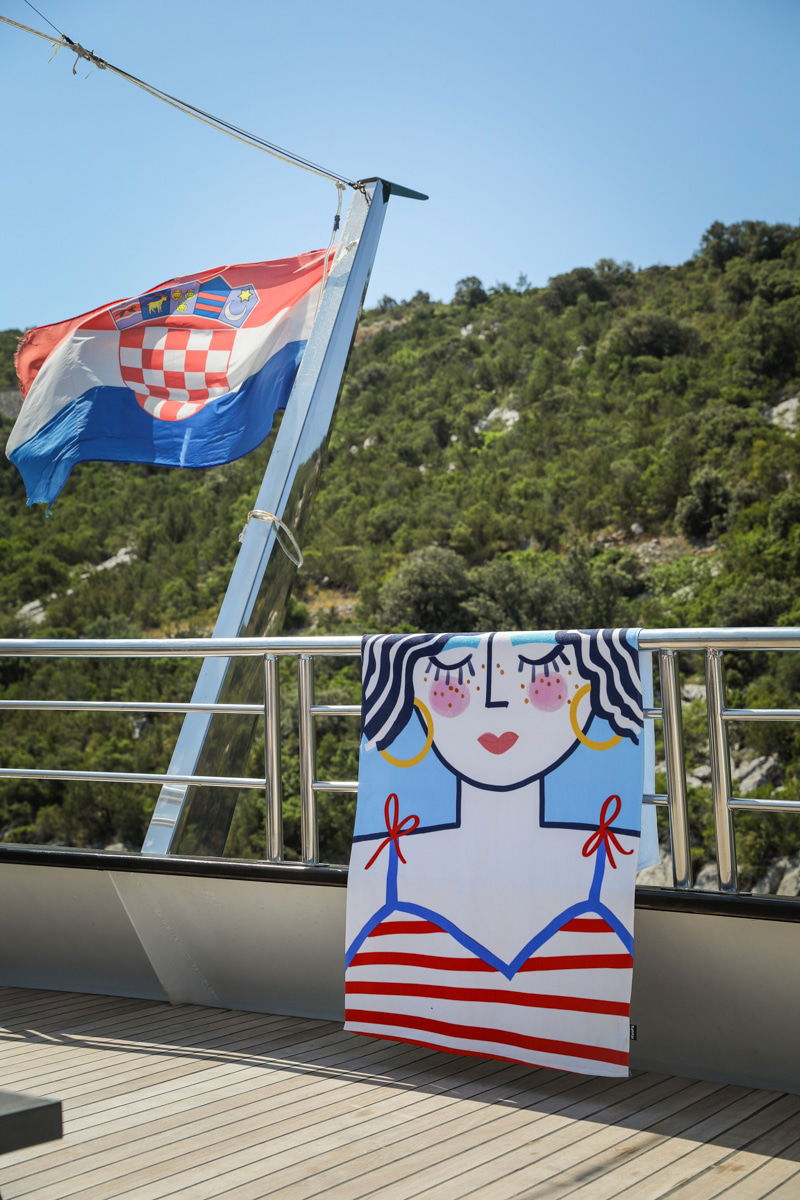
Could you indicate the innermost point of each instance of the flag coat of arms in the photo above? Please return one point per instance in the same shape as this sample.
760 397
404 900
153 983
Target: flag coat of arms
490 896
189 374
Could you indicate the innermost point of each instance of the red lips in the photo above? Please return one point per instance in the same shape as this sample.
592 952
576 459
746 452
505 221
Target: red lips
498 745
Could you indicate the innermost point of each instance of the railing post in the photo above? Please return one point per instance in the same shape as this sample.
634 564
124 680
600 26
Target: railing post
720 771
669 677
272 760
309 833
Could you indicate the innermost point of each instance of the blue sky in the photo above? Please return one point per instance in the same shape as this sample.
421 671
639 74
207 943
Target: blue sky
547 134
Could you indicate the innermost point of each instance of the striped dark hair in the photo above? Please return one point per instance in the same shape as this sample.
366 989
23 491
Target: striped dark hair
387 670
611 664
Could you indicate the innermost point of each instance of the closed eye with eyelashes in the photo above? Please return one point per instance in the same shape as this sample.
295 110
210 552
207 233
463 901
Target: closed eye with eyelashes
551 661
451 669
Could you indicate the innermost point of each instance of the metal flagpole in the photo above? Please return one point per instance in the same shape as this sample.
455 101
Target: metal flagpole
195 820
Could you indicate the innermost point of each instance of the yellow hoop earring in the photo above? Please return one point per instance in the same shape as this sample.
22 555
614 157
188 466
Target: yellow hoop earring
417 758
576 729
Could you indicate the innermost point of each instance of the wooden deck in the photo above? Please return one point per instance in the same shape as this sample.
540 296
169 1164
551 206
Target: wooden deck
195 1102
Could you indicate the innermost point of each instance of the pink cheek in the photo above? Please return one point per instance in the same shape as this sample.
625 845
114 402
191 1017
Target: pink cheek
548 694
448 699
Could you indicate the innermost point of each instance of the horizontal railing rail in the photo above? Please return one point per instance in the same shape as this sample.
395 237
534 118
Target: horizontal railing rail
699 638
665 644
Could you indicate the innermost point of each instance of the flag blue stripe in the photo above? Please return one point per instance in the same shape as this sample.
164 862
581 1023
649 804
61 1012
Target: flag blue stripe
106 424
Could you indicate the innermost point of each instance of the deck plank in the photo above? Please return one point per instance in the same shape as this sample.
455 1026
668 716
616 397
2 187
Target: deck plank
248 1044
91 1058
769 1176
378 1123
420 1147
190 1103
214 1125
778 1147
271 1132
668 1152
541 1146
546 1151
788 1190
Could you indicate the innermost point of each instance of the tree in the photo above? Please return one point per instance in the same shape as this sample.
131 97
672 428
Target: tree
754 240
427 592
565 290
703 512
469 292
652 334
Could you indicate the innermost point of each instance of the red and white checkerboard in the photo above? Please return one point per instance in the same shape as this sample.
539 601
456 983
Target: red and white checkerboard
175 372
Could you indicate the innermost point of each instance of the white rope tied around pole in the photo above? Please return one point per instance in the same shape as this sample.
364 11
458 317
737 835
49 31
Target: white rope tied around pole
281 527
199 114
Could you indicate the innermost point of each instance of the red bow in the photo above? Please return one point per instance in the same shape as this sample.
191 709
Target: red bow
394 827
604 834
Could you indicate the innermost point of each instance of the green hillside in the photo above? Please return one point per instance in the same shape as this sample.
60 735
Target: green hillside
615 448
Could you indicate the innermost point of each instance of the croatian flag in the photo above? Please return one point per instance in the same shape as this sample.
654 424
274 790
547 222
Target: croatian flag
189 374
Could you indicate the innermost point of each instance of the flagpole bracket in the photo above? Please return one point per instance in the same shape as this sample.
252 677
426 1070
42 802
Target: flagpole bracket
392 189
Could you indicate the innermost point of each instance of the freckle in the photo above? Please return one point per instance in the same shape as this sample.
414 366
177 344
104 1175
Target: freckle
522 685
449 706
548 683
569 672
477 689
502 672
527 701
483 666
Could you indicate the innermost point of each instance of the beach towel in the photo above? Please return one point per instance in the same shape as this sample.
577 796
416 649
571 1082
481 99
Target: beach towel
491 888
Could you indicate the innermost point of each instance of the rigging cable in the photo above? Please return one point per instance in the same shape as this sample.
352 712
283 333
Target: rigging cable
184 106
39 13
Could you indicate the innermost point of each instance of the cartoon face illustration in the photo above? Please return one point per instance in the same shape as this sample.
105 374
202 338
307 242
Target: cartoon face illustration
485 699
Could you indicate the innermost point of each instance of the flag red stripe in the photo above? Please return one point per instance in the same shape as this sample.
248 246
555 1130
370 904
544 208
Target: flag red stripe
562 962
490 996
405 927
500 1036
587 925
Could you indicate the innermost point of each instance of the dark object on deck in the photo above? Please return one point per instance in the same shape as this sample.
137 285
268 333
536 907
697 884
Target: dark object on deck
27 1120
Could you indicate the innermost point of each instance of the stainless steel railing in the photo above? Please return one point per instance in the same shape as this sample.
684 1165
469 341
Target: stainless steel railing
270 649
666 644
